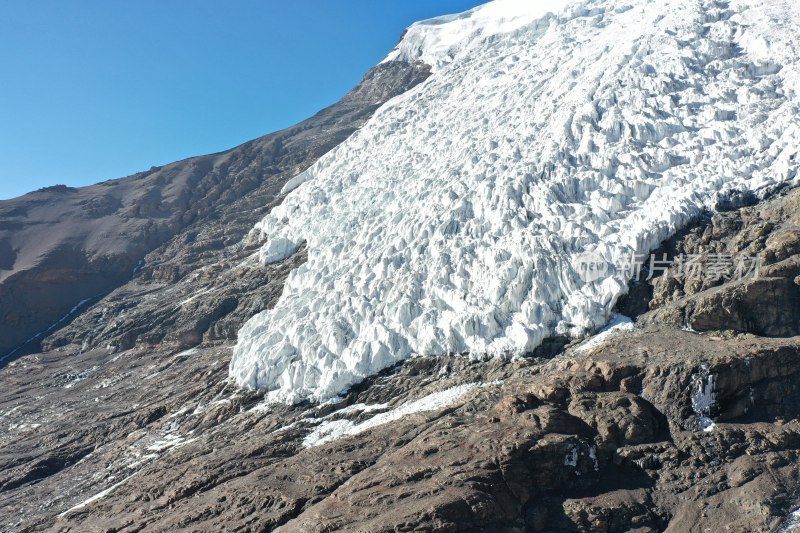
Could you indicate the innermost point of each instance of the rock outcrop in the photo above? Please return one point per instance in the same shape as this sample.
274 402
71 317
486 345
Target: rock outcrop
656 428
708 294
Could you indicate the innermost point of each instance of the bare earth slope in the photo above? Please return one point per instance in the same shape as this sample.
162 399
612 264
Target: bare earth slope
61 246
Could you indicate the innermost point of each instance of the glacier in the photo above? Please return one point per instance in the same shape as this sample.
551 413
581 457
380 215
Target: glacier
450 222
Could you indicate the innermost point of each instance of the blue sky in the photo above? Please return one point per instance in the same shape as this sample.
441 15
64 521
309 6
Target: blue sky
99 89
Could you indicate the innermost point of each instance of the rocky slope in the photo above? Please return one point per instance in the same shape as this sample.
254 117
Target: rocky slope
653 428
765 305
60 247
126 417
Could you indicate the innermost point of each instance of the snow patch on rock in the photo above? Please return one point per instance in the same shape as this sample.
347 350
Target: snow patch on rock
793 524
332 430
704 399
617 324
99 496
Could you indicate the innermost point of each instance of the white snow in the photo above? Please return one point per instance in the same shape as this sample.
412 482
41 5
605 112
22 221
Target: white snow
703 400
618 323
440 40
708 425
336 429
98 496
448 223
360 408
41 334
168 442
195 296
571 459
187 353
793 523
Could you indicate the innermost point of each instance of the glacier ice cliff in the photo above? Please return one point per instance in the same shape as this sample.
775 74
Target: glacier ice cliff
449 223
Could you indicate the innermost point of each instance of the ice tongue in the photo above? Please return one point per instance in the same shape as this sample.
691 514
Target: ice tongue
456 219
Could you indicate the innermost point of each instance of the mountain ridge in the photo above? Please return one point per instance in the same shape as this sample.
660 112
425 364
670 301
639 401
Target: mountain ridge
70 245
684 416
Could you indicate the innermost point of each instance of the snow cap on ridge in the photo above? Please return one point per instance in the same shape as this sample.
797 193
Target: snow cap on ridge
438 40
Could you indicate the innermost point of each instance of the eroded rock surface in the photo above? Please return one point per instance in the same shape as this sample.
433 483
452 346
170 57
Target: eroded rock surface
604 439
764 304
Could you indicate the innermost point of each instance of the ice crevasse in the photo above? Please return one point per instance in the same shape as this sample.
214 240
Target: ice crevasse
450 222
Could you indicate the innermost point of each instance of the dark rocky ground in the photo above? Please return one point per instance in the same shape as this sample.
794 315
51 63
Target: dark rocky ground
602 437
127 420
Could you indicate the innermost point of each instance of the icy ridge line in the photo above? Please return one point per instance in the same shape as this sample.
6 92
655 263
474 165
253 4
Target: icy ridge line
449 223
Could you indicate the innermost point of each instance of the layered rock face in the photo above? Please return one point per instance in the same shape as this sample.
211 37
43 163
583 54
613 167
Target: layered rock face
764 304
654 428
60 247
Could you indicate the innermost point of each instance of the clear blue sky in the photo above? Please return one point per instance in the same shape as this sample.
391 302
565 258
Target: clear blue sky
99 89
